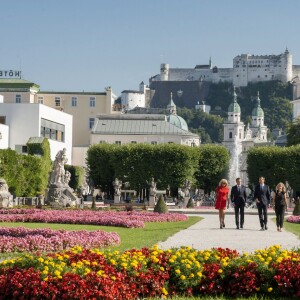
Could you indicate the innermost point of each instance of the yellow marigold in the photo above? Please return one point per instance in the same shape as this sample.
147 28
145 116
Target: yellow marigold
177 271
270 289
164 291
188 266
162 268
45 272
199 274
46 279
57 273
113 277
220 271
73 265
40 259
113 262
192 275
182 277
171 260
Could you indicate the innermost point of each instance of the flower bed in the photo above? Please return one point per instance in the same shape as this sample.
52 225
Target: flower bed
21 239
137 274
105 218
293 219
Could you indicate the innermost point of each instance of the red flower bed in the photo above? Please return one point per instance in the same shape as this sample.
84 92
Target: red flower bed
105 218
138 274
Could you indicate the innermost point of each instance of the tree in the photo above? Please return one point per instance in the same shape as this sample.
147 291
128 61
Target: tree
293 133
213 164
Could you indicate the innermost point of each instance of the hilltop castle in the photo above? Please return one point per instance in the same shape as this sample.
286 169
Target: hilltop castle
246 68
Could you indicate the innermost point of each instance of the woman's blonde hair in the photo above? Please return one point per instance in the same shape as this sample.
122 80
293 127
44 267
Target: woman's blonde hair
280 184
223 181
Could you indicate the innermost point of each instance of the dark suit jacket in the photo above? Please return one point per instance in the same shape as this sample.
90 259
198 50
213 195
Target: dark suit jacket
238 197
263 196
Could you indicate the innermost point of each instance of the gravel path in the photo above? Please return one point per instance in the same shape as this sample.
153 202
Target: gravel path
207 234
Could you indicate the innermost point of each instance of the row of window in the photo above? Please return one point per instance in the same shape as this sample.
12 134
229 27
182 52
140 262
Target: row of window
258 76
132 142
74 101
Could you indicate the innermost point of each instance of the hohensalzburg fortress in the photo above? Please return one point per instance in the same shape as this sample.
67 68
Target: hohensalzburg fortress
246 68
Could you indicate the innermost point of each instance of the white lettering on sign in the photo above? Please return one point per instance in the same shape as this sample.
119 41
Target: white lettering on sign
10 74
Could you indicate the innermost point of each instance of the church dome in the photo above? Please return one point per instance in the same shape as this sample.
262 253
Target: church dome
177 121
257 110
234 107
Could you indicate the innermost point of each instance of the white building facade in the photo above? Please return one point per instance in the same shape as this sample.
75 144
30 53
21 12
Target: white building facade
131 99
25 120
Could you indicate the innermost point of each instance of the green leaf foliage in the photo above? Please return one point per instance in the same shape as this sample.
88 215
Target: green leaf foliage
77 174
26 175
293 133
276 164
161 207
168 164
212 166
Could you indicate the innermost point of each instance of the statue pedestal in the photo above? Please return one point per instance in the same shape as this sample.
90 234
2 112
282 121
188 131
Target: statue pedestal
61 196
185 202
151 201
117 198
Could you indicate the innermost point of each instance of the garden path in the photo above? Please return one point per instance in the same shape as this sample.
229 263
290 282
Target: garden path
207 234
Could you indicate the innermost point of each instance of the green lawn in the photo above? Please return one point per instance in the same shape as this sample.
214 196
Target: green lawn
292 227
153 232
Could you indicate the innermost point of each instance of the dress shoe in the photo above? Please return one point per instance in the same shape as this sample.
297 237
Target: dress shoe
242 226
223 224
237 227
221 227
262 229
266 227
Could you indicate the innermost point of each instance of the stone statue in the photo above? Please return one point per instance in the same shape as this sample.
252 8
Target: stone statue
58 172
180 193
186 188
85 189
117 186
153 188
67 177
5 195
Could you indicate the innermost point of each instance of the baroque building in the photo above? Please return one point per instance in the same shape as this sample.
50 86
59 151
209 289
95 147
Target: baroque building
238 139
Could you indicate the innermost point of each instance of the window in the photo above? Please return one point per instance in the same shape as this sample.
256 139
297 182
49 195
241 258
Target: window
41 100
2 119
154 143
52 130
91 123
102 142
230 135
133 142
57 101
74 101
18 98
118 142
92 101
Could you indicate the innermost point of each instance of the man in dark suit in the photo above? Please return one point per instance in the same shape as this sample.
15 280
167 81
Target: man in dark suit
262 196
238 198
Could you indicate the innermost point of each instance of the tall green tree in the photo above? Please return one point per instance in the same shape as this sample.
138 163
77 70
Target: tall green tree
293 133
213 162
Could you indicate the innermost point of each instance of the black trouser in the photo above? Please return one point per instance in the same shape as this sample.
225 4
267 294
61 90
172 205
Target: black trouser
239 211
279 211
262 214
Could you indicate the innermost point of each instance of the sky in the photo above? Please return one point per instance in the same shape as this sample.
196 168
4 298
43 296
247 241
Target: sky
87 45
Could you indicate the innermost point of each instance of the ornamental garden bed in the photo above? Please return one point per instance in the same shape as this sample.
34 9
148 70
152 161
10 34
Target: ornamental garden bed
22 239
151 272
106 218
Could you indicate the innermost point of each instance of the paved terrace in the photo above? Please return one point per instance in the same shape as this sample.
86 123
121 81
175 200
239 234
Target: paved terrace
207 234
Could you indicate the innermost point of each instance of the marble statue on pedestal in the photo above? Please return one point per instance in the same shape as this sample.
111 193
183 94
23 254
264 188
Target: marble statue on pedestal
6 199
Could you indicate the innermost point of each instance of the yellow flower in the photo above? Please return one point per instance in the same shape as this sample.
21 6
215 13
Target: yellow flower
162 268
199 274
182 277
220 271
73 265
164 291
171 260
192 275
188 266
113 277
40 259
270 289
177 271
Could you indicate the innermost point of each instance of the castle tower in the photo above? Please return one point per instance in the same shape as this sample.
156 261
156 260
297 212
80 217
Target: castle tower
286 66
164 72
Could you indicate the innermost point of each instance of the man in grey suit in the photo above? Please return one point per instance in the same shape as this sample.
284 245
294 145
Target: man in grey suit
238 197
262 196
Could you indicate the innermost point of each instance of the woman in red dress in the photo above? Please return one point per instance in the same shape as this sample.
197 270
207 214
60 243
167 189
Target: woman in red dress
222 199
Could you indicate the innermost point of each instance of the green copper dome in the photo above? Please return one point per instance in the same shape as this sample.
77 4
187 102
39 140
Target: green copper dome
177 121
234 107
257 110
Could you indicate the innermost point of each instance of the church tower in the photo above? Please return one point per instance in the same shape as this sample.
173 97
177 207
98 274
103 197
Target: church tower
233 127
259 130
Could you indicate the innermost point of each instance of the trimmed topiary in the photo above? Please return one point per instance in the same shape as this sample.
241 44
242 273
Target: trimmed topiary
190 203
161 206
296 211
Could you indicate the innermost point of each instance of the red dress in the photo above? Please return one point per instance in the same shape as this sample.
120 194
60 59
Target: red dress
222 195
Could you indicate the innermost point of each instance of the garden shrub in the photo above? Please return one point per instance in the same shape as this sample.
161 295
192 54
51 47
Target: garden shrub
161 206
